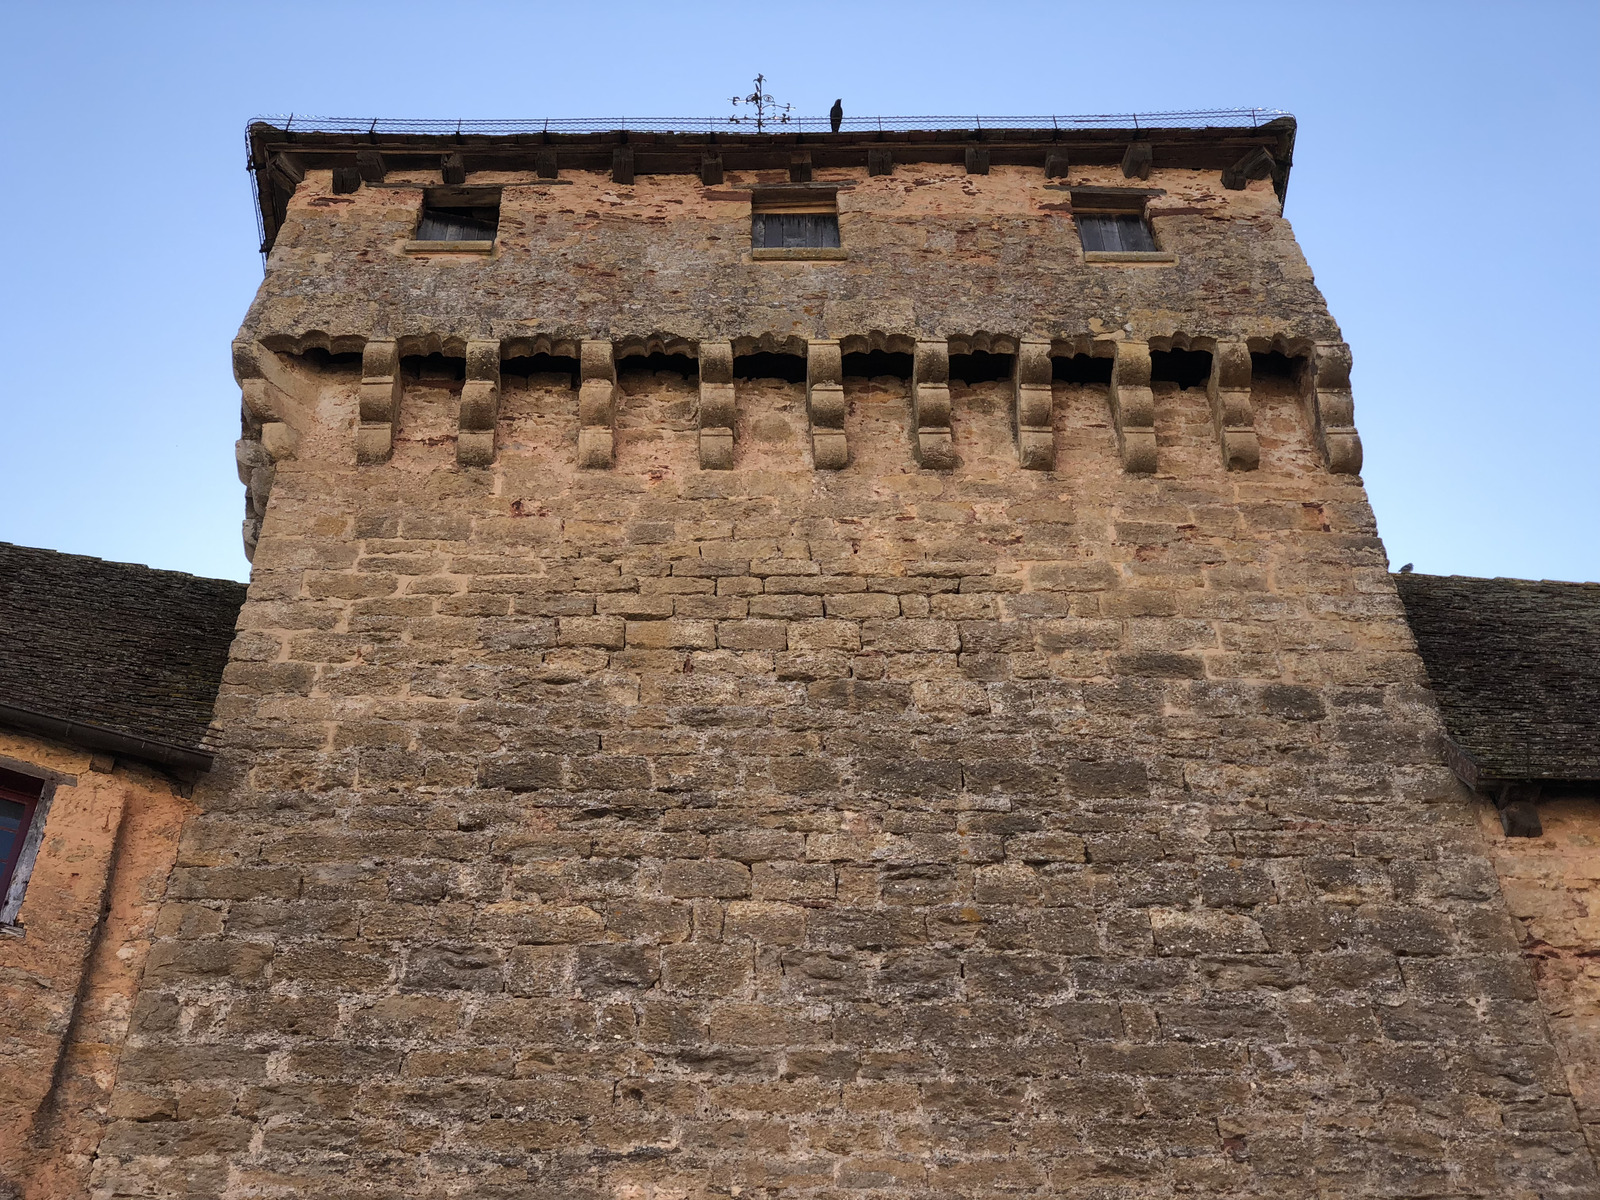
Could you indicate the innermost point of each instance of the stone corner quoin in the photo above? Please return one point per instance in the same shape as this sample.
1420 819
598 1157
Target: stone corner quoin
927 720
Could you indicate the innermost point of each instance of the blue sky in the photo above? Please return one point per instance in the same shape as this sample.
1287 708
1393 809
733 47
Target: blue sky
1444 189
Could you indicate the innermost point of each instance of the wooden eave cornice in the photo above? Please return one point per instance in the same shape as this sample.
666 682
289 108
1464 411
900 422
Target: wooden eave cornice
1211 149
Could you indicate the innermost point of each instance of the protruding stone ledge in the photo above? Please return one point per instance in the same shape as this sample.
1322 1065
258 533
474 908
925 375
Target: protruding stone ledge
1330 408
1133 407
380 401
1232 413
717 408
597 405
934 442
825 405
1032 412
480 405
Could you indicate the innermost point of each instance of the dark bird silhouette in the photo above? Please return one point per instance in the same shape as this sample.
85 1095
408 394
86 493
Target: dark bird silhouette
836 115
1406 570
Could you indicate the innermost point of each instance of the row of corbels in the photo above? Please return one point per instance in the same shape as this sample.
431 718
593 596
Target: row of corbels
1324 385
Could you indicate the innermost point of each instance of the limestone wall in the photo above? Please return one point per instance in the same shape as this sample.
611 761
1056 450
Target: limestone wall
69 967
659 832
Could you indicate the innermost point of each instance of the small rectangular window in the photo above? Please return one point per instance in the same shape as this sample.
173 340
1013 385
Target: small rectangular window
793 231
1115 231
795 219
459 215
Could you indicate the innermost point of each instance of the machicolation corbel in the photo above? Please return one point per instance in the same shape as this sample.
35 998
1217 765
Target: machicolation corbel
1330 408
716 406
268 437
597 404
1032 412
825 405
933 442
381 387
480 405
1133 407
1228 389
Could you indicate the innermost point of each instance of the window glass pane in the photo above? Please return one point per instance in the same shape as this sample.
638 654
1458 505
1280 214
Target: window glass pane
795 231
1093 231
456 225
11 831
1134 234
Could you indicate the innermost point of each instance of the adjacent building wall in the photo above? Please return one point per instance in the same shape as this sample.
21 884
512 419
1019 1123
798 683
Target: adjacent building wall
1552 886
70 966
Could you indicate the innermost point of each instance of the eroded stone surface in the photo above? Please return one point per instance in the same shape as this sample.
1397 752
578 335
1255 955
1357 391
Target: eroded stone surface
880 832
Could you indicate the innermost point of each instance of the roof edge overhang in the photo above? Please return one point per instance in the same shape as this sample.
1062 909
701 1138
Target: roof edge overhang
1203 141
109 741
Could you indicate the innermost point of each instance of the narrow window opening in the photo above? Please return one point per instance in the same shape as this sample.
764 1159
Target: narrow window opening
1080 368
980 367
791 368
1123 232
795 231
547 369
876 363
650 364
19 837
1186 368
1274 366
794 219
459 215
434 368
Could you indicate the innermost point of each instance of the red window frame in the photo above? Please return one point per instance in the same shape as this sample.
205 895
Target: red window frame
26 791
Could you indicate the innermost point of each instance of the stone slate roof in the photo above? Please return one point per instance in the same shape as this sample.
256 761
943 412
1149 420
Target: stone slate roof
1515 665
112 648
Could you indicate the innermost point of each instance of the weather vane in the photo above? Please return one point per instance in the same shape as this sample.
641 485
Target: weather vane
767 108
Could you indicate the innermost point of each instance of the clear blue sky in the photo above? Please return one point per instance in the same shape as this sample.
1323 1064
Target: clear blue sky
1445 191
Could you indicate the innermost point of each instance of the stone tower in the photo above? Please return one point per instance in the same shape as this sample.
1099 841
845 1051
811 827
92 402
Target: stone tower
815 666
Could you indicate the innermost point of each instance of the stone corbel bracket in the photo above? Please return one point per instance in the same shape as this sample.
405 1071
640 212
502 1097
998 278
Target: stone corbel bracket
825 405
480 405
1133 409
716 406
274 405
933 442
1032 412
597 405
1330 409
1228 389
381 387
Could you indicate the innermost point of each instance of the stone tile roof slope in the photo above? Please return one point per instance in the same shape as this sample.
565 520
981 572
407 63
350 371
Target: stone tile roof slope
113 646
1515 665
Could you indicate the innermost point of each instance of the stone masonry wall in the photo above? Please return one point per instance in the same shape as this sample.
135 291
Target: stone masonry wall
657 833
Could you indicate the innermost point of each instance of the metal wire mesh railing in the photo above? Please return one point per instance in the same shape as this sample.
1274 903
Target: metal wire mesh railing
1220 118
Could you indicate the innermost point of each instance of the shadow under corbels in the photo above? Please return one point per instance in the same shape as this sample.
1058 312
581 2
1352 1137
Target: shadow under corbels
1186 368
1080 368
791 368
658 363
437 370
551 370
980 367
1275 366
876 364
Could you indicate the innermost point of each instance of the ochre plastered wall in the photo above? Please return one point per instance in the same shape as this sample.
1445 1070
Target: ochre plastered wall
68 978
1552 886
666 833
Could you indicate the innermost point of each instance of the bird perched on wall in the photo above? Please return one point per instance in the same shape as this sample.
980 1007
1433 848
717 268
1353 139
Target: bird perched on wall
1406 570
836 115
